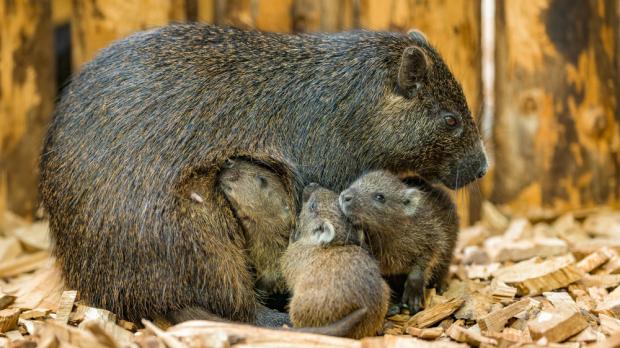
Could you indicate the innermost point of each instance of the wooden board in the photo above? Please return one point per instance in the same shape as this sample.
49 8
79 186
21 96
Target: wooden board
27 92
96 23
557 123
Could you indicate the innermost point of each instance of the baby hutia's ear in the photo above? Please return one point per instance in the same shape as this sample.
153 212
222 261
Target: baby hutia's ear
411 200
414 65
324 234
308 190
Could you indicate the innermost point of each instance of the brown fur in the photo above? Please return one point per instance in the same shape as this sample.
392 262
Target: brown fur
156 115
332 276
410 230
265 209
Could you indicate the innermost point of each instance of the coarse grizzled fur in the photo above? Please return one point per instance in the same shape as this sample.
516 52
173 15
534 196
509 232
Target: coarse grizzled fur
265 209
158 111
329 271
411 229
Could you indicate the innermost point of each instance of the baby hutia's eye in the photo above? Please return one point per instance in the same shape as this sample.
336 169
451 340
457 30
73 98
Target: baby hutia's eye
262 181
379 197
313 206
406 201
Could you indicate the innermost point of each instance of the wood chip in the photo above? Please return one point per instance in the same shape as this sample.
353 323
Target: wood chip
65 306
434 314
609 325
583 300
24 264
36 313
535 276
561 300
612 266
34 237
108 332
492 217
566 224
470 336
170 340
394 330
427 334
127 325
481 271
14 335
471 236
431 298
611 302
509 337
500 291
8 319
496 320
594 260
605 224
476 304
598 294
147 341
475 255
31 325
388 341
399 318
587 335
519 228
83 313
6 300
70 335
600 281
510 250
10 248
557 325
41 289
591 245
612 341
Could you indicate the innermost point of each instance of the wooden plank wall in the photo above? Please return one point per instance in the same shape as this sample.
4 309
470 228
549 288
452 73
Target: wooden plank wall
556 126
96 23
27 93
557 121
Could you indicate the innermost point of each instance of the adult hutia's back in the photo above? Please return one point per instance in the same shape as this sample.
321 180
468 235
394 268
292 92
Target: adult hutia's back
160 111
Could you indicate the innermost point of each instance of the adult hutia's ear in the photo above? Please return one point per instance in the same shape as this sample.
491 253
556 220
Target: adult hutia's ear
417 35
413 69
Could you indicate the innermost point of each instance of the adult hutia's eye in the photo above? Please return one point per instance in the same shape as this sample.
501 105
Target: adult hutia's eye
451 120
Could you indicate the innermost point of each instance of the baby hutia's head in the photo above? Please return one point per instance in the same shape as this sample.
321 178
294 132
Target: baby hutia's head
321 222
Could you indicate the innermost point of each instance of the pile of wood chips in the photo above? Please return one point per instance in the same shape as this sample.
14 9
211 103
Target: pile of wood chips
513 283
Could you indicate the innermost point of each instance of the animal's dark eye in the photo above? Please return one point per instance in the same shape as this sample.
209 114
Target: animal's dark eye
379 197
406 202
262 181
312 207
451 120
